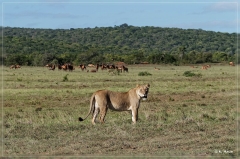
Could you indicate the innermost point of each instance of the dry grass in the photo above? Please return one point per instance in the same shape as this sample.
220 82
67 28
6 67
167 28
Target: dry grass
183 116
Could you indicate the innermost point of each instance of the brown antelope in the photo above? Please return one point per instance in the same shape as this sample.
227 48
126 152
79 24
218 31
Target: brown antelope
231 64
82 66
52 68
15 66
49 65
125 69
94 70
204 67
119 69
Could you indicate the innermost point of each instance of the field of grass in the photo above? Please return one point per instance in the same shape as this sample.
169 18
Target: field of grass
184 116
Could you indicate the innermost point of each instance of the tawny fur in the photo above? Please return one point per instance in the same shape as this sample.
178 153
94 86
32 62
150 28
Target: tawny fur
101 100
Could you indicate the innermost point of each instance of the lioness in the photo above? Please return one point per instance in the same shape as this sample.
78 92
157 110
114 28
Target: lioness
101 100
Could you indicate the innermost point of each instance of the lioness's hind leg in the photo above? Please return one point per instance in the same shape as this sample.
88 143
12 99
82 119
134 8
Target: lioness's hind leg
95 114
103 112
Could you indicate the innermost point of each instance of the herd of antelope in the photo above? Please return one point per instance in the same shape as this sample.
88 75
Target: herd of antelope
64 67
91 67
120 67
205 67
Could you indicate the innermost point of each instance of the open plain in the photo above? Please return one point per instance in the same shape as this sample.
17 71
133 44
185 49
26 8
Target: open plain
193 116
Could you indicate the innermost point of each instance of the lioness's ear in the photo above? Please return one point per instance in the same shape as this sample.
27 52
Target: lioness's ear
148 85
137 85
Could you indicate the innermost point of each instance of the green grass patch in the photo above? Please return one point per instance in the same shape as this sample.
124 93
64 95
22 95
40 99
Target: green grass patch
181 117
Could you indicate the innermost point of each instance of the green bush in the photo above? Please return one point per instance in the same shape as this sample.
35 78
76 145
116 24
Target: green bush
191 74
188 74
65 78
144 73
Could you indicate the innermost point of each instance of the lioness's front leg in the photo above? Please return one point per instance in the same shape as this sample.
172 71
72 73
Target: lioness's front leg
134 115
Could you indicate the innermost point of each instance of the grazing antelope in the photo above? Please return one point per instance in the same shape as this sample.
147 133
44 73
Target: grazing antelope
15 66
49 65
104 67
208 66
94 70
64 67
82 67
119 69
231 64
91 65
59 67
18 66
204 67
52 68
97 67
125 69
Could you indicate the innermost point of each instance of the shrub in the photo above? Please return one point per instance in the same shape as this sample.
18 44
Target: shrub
188 74
144 73
191 74
65 78
19 79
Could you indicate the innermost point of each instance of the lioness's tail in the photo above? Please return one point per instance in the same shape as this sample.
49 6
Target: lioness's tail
92 107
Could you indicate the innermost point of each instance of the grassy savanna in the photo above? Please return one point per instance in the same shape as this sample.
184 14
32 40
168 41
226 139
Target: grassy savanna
183 116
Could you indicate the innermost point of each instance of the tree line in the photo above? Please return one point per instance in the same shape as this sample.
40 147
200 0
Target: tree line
130 44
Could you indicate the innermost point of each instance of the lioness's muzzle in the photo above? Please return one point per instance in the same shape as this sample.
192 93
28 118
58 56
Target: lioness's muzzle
144 97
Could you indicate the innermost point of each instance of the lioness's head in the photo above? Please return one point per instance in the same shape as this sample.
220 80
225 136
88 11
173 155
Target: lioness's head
142 91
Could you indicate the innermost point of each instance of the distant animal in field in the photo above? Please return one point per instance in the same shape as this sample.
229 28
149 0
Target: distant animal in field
104 67
82 66
52 68
119 69
15 66
94 70
64 67
91 65
67 66
97 67
208 66
204 67
12 66
59 67
156 68
70 67
125 69
231 64
102 100
49 65
18 66
111 66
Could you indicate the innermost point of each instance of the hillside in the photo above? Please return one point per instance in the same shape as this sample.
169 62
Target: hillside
120 41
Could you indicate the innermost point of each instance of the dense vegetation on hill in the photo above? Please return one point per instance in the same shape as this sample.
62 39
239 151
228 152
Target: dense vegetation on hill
131 44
